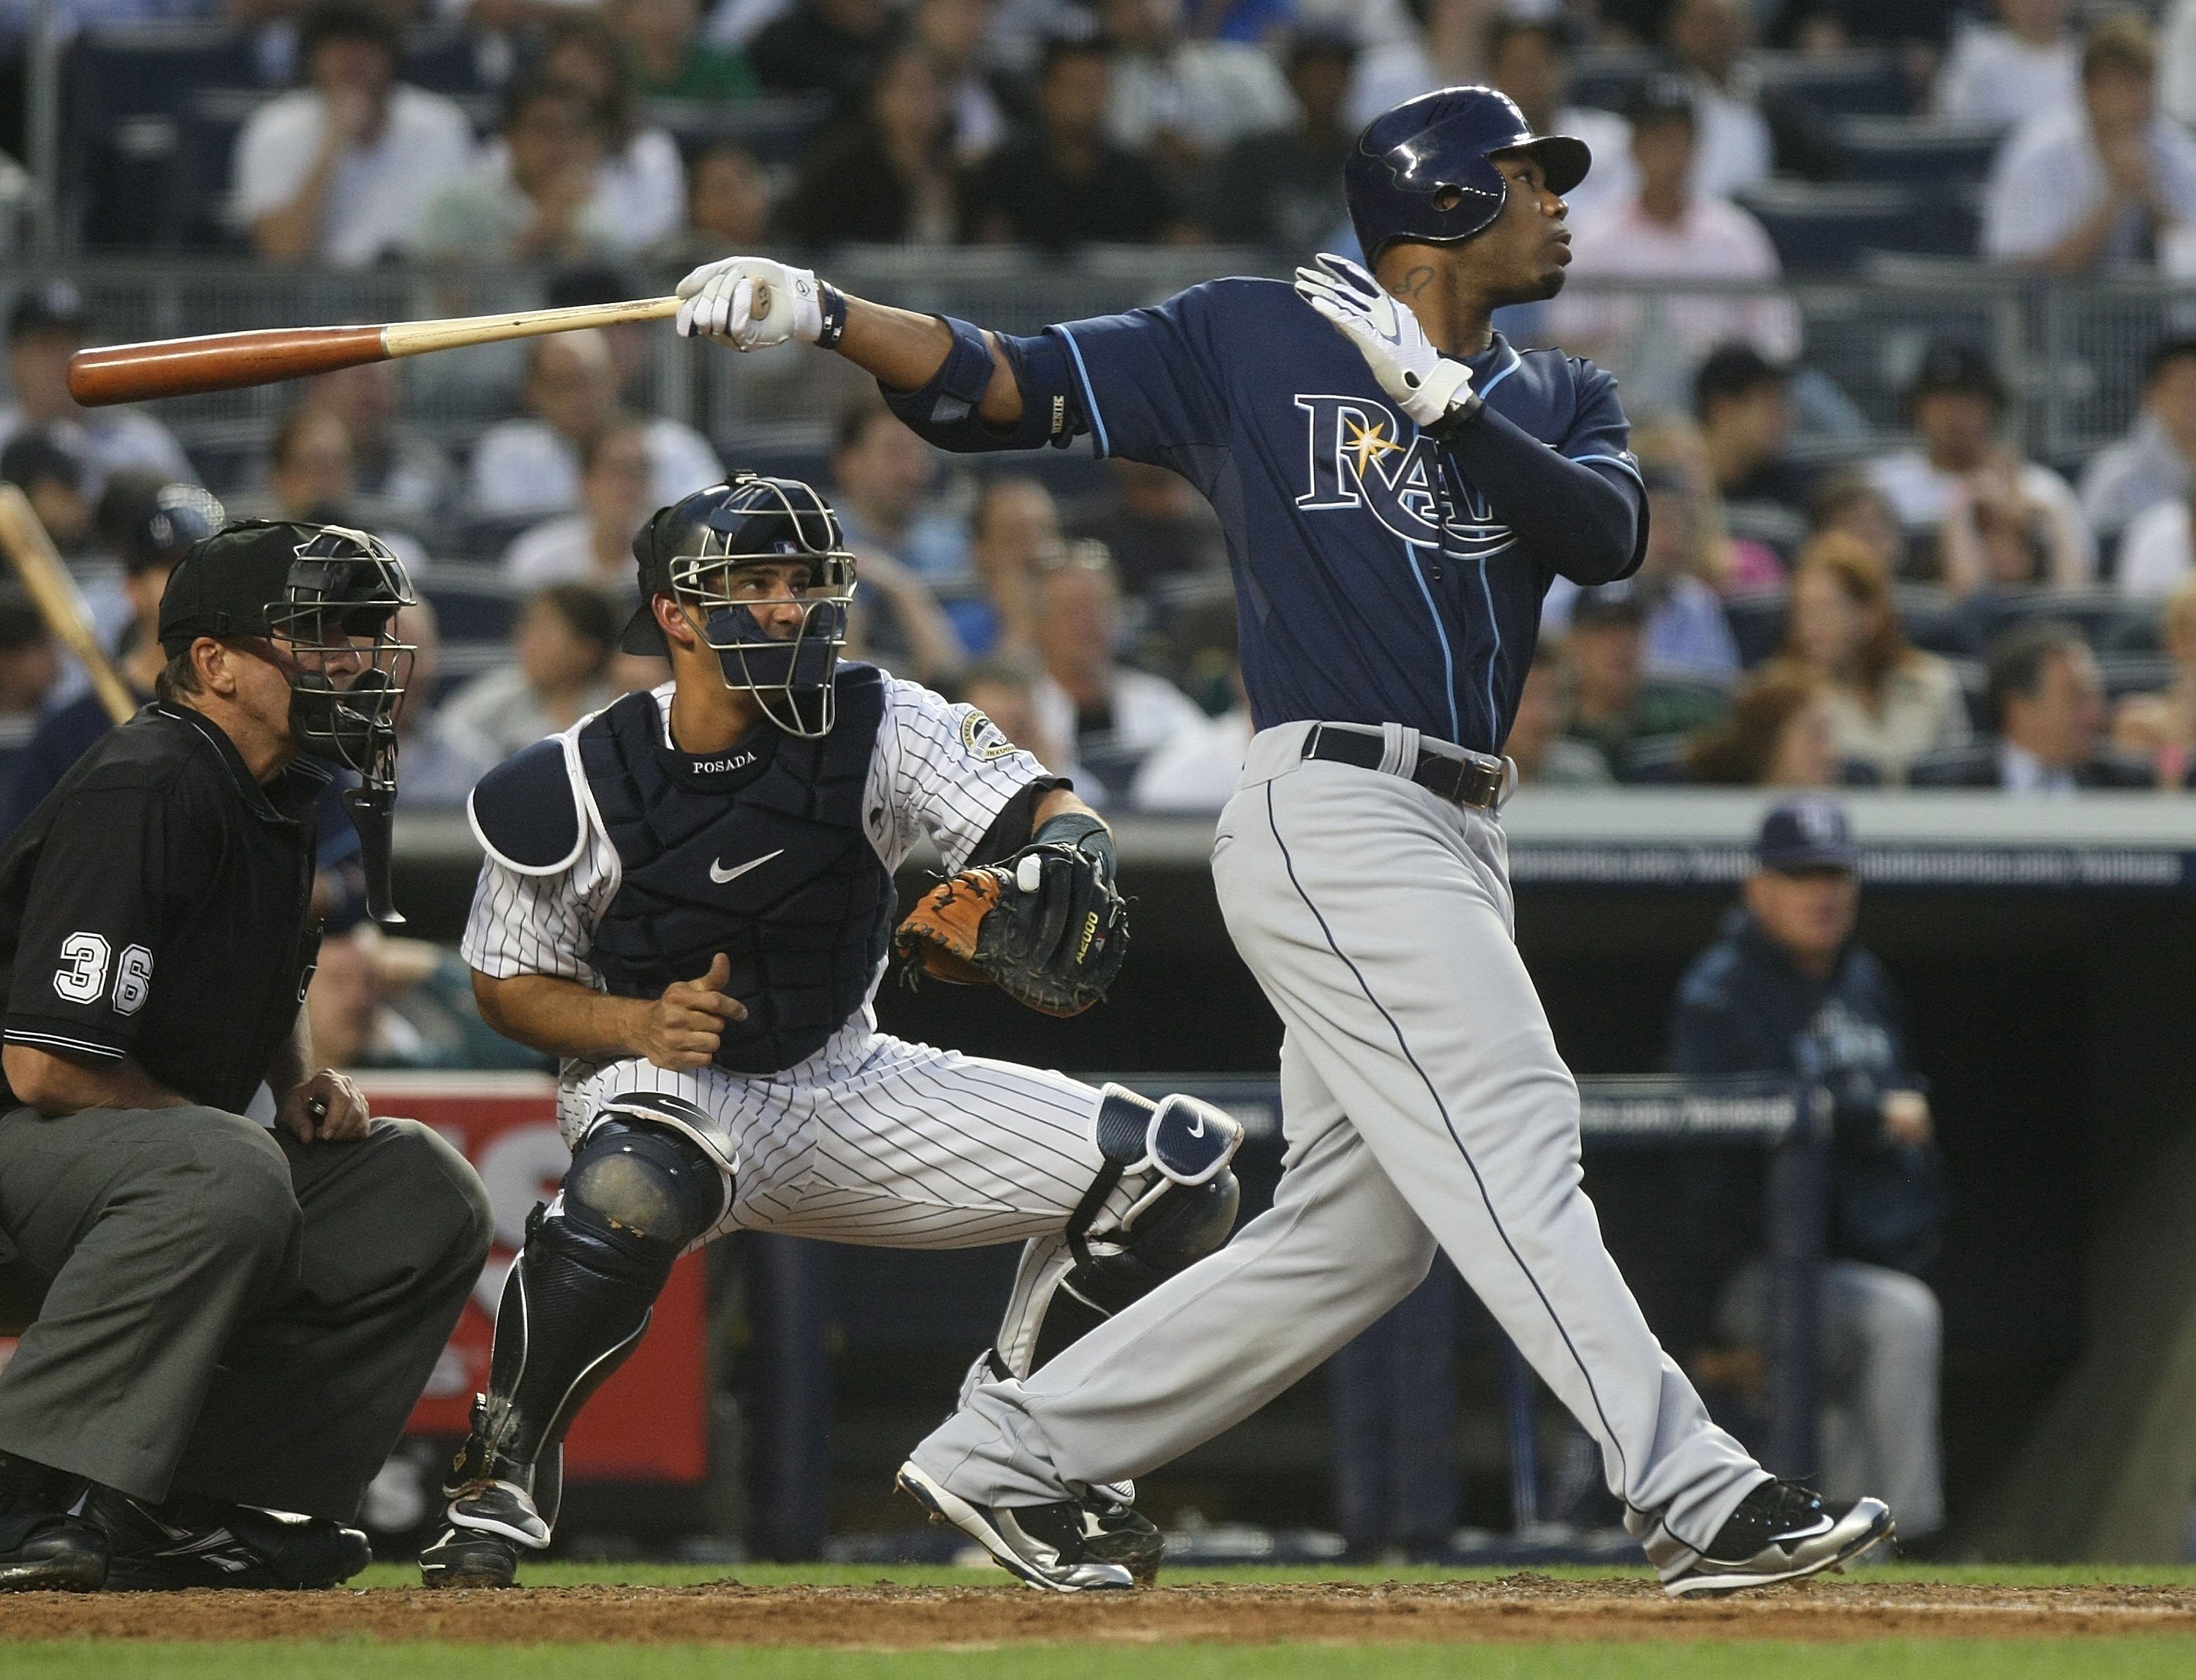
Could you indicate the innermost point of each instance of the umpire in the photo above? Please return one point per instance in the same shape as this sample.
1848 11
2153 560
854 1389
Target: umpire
247 1279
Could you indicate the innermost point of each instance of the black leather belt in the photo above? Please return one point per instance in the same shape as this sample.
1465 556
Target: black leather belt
1476 780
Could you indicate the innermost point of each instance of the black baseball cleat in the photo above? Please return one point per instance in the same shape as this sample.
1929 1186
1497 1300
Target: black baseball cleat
186 1542
42 1548
1046 1546
1116 1532
1780 1532
469 1557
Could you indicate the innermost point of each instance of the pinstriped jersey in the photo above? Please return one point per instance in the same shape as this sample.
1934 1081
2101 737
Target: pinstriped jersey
1375 583
936 768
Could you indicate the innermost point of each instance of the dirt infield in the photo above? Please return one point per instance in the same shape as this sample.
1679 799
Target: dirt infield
1517 1608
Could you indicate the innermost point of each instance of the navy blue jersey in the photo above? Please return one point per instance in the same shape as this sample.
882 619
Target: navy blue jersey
1380 576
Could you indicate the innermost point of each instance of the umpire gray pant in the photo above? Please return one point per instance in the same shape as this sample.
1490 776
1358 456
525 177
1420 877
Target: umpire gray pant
228 1312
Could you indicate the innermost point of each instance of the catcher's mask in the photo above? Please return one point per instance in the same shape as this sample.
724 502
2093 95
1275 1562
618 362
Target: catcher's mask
728 554
324 597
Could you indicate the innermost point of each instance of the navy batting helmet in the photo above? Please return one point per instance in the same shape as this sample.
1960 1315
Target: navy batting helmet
1423 171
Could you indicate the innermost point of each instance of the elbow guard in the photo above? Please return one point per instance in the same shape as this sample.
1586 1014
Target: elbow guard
944 410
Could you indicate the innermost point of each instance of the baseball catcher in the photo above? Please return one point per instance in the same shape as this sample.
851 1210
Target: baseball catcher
688 897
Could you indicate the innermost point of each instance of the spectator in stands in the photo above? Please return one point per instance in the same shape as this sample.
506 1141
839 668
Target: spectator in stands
535 197
2157 554
1156 527
1890 702
532 465
1282 188
1671 231
831 47
439 769
1743 402
2176 53
1707 40
1785 991
1196 772
1544 755
52 481
2152 463
595 544
640 179
2161 727
2102 182
1005 690
1615 707
1999 75
886 178
884 475
2048 702
1062 182
956 34
1849 502
729 206
1781 733
30 664
154 526
1013 530
1115 718
561 646
47 325
1529 58
1997 538
342 170
378 1002
897 623
670 59
1955 404
1686 634
1181 99
399 473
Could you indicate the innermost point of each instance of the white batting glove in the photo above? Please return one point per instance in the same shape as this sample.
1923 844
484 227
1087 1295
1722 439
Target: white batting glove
750 302
1428 385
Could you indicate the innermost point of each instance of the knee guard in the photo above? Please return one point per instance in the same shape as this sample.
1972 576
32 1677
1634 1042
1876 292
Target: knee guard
1184 1147
579 1297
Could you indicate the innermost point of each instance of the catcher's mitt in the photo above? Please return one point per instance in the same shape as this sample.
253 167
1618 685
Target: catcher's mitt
1046 927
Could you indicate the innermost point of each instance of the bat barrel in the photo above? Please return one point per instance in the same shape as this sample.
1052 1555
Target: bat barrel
221 361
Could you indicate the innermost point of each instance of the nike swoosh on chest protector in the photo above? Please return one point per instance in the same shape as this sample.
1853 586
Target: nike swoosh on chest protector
720 874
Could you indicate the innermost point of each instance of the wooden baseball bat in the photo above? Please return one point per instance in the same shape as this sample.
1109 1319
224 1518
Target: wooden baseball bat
59 601
223 361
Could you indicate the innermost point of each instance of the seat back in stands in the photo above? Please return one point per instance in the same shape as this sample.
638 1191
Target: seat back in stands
471 603
1757 623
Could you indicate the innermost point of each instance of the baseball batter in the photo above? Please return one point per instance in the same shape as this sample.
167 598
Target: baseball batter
688 897
1399 486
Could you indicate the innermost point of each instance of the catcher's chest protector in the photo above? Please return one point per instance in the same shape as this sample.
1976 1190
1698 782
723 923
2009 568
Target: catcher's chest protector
777 873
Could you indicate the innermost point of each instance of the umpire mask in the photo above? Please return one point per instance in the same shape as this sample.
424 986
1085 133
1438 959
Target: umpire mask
763 563
335 625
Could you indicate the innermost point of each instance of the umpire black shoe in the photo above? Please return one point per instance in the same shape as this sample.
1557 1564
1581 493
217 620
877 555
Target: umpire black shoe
1780 1532
1046 1546
468 1557
1116 1532
42 1548
186 1542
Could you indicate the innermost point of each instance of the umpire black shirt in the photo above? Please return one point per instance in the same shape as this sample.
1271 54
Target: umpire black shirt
159 906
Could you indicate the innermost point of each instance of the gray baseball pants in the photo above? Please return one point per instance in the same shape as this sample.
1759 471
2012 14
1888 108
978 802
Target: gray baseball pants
1424 1103
228 1312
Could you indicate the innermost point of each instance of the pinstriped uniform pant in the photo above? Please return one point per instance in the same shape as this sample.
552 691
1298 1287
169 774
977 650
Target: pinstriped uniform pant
1424 1103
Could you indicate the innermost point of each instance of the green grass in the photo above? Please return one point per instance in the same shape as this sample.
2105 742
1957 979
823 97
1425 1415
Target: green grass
914 1574
2130 1658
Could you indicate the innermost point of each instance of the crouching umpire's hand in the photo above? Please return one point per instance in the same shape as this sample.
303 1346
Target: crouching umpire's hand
681 1028
327 1108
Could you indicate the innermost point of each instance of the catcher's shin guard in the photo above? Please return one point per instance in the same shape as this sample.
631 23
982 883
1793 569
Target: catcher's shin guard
575 1306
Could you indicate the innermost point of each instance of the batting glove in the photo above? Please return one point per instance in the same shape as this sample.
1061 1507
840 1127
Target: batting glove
751 303
1430 387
